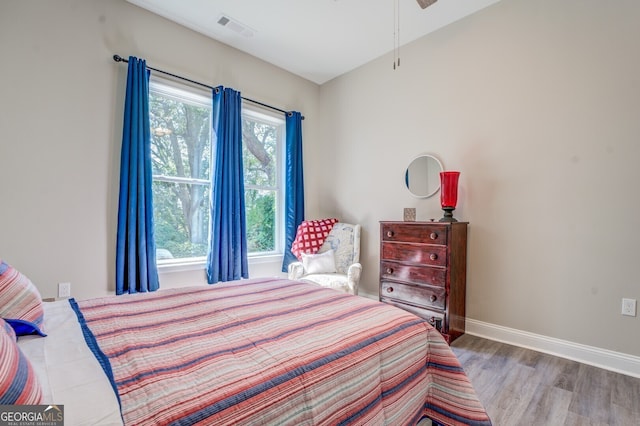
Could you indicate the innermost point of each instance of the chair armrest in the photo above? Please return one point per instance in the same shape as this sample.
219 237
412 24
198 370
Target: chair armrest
296 270
353 276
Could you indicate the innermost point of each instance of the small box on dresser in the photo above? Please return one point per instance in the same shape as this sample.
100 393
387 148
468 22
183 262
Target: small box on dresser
423 269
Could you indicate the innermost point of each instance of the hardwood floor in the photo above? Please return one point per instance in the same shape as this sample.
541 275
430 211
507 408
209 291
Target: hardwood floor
522 387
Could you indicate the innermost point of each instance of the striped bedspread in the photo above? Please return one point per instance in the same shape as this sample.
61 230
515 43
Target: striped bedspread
274 352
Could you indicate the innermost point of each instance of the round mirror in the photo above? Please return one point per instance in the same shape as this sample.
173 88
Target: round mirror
422 177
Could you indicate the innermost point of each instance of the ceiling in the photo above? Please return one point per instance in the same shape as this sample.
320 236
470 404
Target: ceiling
315 39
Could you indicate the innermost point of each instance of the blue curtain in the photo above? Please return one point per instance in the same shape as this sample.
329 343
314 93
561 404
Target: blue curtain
294 191
227 255
136 269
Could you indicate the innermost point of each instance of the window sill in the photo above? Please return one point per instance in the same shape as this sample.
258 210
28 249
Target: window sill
182 266
266 258
201 264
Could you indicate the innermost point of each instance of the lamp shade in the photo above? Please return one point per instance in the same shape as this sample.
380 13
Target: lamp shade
449 188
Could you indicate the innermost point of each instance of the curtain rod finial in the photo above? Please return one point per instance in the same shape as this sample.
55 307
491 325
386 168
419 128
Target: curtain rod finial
117 58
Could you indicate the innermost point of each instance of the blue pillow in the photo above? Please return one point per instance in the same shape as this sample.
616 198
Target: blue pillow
24 327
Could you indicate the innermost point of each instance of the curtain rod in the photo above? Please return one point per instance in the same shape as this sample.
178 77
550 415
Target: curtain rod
119 58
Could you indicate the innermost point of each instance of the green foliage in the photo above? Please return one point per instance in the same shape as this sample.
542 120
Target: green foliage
260 209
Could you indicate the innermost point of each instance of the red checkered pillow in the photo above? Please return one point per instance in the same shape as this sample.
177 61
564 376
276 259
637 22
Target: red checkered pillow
310 236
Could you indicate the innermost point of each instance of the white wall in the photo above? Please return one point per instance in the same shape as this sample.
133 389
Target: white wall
61 118
537 103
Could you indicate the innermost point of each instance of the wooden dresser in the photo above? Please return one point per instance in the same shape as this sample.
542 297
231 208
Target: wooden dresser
423 269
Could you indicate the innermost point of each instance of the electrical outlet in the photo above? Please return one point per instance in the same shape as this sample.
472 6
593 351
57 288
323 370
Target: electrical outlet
64 290
629 307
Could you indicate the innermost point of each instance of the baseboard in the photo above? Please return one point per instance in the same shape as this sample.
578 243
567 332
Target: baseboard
602 358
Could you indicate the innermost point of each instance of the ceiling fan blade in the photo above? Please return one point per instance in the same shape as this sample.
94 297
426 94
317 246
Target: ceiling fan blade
426 3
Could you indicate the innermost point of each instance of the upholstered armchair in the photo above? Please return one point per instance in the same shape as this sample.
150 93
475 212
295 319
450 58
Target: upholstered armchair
344 242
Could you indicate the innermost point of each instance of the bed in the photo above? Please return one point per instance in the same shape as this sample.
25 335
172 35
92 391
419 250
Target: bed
254 352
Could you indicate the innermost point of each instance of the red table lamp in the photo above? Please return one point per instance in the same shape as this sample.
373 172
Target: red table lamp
448 194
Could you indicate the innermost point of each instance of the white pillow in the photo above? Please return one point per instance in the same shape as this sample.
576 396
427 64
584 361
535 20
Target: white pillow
321 263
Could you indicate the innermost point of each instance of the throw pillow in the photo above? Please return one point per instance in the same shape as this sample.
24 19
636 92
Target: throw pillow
310 236
19 384
19 298
321 263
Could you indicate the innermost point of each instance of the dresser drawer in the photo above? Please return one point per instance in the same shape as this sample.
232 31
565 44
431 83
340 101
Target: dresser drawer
414 233
413 274
415 253
436 319
429 297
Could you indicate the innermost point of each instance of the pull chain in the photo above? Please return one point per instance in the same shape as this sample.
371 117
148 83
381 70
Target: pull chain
396 33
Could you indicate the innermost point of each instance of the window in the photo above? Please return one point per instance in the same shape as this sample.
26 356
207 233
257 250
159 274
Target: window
181 153
262 140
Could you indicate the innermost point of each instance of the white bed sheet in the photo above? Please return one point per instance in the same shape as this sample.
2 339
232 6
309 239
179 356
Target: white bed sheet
69 373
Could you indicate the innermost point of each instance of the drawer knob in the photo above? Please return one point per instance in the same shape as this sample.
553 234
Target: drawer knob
433 256
389 289
389 233
389 271
433 235
433 298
